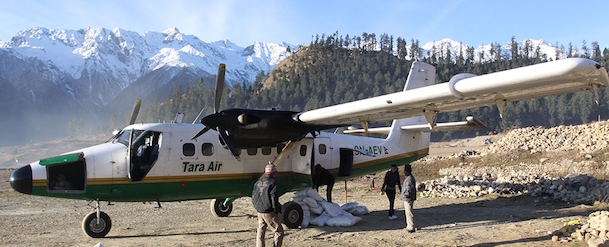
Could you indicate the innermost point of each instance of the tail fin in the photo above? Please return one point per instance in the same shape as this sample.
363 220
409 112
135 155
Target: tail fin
421 75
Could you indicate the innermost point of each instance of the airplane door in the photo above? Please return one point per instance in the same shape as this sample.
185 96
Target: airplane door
129 153
119 165
143 154
301 156
322 153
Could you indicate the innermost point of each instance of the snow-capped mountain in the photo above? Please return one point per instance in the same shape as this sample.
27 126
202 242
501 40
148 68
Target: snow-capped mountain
97 63
83 73
483 52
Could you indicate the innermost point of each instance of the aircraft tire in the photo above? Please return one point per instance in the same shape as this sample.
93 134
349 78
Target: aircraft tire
292 215
94 230
218 209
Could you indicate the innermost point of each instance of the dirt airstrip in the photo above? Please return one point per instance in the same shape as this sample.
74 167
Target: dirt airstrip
489 221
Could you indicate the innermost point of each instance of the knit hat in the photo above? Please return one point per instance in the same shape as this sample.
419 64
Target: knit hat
270 168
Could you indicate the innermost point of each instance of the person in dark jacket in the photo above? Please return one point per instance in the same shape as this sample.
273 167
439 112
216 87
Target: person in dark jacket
266 201
409 195
392 178
323 177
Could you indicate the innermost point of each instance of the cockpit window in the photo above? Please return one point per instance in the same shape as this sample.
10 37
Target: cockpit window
123 136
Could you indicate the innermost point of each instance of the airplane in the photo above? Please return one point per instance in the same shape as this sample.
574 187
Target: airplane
222 159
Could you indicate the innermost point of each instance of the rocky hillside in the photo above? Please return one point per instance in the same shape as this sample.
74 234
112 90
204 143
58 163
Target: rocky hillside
564 162
567 163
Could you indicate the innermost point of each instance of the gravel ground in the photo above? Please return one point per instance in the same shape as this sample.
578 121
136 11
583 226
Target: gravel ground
491 221
483 221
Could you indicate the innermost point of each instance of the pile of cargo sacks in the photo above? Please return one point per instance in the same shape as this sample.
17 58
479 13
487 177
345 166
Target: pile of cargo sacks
320 212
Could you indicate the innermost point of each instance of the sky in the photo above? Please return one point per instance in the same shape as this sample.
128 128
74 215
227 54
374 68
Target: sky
472 22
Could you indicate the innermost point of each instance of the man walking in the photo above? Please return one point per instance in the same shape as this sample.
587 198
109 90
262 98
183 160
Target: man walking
266 202
409 195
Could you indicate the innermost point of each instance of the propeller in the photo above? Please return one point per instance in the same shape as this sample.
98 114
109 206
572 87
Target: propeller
135 111
219 87
209 121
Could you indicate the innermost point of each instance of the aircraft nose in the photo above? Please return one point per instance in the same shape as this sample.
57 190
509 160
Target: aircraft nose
21 180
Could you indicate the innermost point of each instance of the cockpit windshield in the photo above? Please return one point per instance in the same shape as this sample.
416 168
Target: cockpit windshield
123 136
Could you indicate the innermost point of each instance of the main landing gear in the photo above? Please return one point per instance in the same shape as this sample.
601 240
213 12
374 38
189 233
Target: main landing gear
291 212
96 224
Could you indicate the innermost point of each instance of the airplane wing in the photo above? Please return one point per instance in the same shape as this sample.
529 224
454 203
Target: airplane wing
467 91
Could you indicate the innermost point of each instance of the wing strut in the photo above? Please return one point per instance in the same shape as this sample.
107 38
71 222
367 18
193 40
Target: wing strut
431 115
365 125
595 88
284 152
500 103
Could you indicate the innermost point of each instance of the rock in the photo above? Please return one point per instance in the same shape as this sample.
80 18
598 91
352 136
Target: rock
595 242
476 188
468 179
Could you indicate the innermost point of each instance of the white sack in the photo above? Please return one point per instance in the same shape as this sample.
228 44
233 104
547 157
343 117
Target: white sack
301 193
316 210
355 219
305 221
320 220
349 206
339 221
331 208
313 193
360 210
310 201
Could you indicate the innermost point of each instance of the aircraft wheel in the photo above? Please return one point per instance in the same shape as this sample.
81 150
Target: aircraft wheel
218 209
94 229
292 214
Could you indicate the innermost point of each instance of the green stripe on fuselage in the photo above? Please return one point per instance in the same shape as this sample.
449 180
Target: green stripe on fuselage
176 190
182 188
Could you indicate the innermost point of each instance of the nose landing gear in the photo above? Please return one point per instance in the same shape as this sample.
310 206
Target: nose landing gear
96 224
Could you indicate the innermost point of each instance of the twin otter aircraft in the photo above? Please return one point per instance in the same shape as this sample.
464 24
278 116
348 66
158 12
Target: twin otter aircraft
175 162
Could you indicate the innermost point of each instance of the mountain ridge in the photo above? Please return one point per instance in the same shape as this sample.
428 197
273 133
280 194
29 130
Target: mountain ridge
90 73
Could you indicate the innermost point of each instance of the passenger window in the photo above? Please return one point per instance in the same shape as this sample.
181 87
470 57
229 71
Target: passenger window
207 149
266 150
188 149
252 151
322 148
303 150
